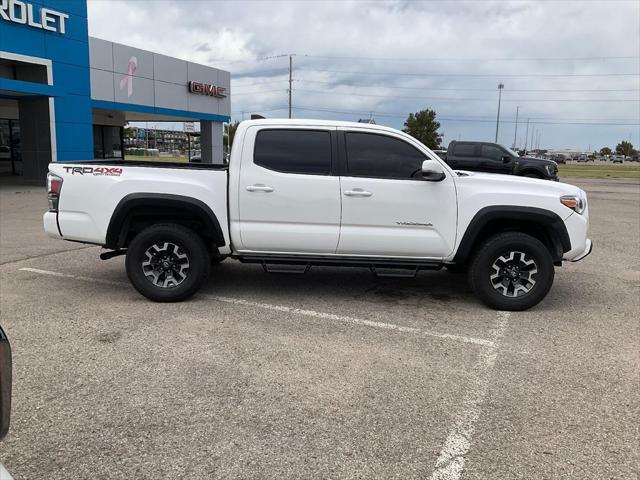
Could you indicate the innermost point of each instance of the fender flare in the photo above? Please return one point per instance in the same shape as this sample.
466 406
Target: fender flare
551 222
157 202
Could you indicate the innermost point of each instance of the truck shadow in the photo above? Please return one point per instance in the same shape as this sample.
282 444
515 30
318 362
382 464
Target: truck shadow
340 284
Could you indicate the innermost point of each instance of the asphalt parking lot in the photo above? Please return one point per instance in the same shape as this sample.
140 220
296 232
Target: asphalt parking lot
336 374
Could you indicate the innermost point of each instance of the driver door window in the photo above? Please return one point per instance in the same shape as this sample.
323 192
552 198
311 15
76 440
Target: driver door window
492 158
380 156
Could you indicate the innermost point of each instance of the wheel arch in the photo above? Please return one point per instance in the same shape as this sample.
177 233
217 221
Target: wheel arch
138 210
542 224
532 170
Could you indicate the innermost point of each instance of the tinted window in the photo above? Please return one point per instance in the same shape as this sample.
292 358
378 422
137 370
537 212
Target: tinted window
464 149
379 156
491 151
294 151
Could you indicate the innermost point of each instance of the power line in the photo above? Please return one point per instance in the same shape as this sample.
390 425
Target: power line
467 99
479 118
281 90
445 118
470 89
428 59
479 75
477 59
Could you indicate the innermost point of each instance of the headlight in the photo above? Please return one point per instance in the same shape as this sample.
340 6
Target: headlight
551 169
575 202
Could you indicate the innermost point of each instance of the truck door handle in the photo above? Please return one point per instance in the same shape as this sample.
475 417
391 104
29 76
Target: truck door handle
259 188
357 192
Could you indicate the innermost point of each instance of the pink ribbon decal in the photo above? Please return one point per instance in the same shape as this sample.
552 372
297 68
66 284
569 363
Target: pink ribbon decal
127 80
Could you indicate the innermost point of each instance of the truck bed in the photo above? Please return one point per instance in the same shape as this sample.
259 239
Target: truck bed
92 191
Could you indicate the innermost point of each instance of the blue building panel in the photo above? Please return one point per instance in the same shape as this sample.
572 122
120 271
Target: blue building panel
22 40
67 134
69 108
66 50
75 7
75 80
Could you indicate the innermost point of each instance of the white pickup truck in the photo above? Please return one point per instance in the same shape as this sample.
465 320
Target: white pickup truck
298 193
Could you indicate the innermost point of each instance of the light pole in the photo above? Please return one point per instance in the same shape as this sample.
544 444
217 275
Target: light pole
533 131
515 135
290 81
526 137
500 87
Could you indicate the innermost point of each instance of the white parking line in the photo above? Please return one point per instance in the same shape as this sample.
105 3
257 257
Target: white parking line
297 311
450 462
355 321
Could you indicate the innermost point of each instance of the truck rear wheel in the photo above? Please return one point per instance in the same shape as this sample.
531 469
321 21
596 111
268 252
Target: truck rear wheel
511 271
167 263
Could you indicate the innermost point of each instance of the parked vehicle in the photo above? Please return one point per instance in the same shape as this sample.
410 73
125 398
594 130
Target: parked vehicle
441 153
495 158
559 158
583 158
617 158
299 193
5 385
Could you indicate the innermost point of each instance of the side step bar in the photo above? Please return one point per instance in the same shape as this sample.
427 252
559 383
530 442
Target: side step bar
381 267
394 272
286 268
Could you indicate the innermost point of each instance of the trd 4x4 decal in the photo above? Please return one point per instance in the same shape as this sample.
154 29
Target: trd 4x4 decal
96 171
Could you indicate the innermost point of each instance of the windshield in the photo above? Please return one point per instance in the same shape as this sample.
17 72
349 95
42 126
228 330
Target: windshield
515 154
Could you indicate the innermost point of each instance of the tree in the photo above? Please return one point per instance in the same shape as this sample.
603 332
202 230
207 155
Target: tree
424 127
229 133
624 148
605 151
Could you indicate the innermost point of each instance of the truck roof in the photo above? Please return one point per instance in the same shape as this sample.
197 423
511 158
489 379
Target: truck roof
316 123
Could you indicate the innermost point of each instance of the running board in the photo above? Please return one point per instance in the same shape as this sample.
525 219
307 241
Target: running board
286 268
379 265
394 272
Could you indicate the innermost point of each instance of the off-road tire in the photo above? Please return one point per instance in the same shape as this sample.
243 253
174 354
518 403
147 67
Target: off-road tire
183 246
488 262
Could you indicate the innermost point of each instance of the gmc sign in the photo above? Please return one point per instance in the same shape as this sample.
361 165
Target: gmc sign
207 89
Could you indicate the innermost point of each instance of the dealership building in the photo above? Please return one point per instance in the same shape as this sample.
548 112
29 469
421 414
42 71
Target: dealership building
65 96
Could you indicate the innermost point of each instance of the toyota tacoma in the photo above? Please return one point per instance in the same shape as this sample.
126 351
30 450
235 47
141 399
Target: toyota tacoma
300 193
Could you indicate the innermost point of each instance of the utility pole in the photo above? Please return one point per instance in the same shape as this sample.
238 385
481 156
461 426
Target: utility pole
526 137
540 139
533 131
500 87
515 135
290 81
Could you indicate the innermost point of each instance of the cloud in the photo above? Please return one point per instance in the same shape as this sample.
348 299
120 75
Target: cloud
394 57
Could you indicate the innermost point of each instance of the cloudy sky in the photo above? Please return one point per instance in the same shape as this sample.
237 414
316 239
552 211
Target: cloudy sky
573 67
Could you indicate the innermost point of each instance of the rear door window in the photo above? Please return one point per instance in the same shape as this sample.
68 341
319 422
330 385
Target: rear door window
294 151
464 150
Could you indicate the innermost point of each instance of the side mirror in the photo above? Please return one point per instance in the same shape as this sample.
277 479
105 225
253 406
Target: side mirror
506 159
5 383
432 171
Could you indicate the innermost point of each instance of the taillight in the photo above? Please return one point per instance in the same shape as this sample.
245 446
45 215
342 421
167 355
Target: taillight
54 185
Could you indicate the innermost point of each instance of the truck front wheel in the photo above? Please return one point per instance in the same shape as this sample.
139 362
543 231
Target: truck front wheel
167 262
511 271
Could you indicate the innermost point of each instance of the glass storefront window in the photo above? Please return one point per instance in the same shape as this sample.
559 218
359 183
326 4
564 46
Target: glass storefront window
107 142
112 142
10 148
98 143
